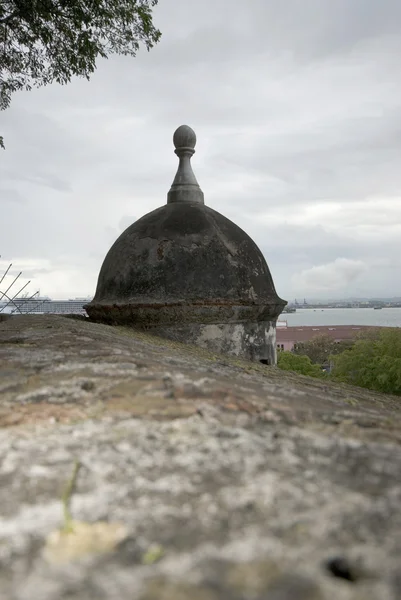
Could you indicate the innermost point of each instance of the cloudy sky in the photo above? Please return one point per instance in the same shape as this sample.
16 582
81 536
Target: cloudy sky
297 109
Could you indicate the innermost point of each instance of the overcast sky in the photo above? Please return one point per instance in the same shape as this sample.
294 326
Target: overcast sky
297 109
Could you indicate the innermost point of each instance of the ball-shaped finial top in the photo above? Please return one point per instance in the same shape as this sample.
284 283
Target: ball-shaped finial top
184 137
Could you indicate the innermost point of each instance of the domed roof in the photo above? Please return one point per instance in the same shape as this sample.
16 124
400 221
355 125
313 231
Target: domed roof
184 262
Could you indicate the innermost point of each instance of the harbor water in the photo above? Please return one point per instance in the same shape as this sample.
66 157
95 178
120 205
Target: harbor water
385 317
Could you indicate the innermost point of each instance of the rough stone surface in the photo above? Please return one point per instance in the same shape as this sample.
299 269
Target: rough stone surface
253 341
202 476
186 253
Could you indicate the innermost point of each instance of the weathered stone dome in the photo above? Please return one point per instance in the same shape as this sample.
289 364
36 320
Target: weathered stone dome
184 263
186 253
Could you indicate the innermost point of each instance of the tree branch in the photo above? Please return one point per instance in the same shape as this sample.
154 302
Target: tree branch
9 17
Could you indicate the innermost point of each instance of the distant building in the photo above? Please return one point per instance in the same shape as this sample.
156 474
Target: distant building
45 306
289 337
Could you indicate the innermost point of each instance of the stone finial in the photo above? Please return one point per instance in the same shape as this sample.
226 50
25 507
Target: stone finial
185 188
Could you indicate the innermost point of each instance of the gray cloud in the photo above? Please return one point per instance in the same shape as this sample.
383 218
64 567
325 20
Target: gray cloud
297 108
11 195
332 277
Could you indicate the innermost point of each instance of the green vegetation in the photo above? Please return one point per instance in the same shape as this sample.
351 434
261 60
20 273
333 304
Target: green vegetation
66 498
53 40
373 361
153 554
321 348
288 361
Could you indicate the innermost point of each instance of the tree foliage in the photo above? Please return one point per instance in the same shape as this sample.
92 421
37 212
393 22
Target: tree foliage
44 41
288 361
373 362
321 347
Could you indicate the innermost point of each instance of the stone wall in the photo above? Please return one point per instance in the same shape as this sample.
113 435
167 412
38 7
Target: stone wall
187 474
252 341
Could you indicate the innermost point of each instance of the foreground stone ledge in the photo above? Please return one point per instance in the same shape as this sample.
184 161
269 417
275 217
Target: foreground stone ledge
202 476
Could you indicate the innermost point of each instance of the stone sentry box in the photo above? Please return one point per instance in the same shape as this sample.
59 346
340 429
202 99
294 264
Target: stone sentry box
186 272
